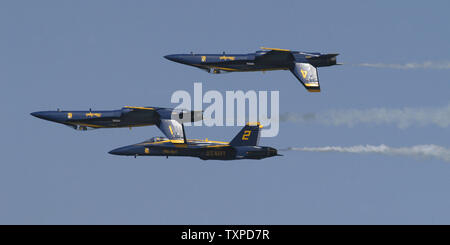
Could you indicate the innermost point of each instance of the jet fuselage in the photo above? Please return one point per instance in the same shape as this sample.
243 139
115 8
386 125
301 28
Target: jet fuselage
303 65
257 61
203 149
128 116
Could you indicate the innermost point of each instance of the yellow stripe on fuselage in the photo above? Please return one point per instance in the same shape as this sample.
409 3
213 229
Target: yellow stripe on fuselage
210 141
138 107
221 143
101 126
89 125
212 146
276 49
224 68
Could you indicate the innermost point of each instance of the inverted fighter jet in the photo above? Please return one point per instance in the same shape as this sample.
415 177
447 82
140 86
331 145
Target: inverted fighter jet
167 119
243 146
302 64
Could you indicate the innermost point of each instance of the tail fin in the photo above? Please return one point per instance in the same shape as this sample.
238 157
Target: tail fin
173 129
307 75
248 136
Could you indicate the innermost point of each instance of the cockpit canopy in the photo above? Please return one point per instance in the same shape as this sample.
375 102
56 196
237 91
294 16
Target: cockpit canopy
157 139
261 52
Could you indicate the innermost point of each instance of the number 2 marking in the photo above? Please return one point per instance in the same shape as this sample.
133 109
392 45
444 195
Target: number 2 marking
246 134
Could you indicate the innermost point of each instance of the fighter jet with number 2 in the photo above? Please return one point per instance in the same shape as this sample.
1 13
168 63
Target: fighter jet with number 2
243 146
302 64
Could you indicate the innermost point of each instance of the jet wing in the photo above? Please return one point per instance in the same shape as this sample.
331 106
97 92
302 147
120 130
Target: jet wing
307 75
173 129
277 55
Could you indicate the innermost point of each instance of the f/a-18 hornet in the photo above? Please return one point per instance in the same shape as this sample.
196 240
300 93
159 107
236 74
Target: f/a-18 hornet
243 146
167 119
302 64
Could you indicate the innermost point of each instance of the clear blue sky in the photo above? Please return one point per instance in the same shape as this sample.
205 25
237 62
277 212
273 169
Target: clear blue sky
107 54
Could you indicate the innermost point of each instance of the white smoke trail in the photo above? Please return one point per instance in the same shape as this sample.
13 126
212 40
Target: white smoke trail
403 118
439 65
433 151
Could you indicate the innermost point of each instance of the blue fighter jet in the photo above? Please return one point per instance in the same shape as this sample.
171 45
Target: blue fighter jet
243 146
302 64
167 119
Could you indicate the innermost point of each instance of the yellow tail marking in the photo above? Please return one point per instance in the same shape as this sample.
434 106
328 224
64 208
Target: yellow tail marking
203 58
313 90
171 132
304 73
69 115
246 134
253 124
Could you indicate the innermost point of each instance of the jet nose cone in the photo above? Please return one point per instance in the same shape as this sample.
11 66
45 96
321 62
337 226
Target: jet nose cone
49 115
119 151
36 114
41 114
115 152
125 151
172 57
178 58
